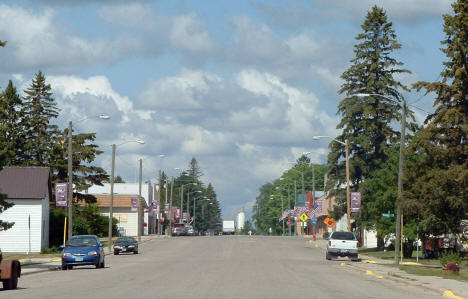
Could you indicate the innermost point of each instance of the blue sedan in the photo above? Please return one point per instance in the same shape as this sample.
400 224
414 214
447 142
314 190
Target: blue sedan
83 250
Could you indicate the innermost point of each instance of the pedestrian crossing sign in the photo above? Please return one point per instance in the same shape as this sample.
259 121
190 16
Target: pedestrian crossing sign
304 217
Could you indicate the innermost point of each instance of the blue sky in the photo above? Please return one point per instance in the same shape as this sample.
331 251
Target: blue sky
240 85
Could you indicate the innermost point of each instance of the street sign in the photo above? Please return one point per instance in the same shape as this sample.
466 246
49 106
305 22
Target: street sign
314 220
330 222
304 217
388 214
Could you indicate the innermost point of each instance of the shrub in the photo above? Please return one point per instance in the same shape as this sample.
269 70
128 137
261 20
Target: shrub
449 257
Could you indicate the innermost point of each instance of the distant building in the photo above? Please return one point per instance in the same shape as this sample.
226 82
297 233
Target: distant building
30 190
129 189
241 219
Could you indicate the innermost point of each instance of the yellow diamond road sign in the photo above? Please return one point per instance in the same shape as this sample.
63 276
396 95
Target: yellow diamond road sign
304 217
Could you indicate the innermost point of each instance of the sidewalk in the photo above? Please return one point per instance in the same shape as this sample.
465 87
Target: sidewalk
37 265
380 269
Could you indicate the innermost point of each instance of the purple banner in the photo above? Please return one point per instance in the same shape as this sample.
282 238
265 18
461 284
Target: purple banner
186 216
134 204
61 194
177 213
355 202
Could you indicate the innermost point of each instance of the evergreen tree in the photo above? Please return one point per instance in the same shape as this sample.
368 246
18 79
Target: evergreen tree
3 161
2 43
439 182
84 152
194 170
366 121
39 134
213 211
10 127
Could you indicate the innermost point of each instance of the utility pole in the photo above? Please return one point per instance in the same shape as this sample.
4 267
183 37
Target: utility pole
188 203
70 181
295 204
170 208
282 208
313 194
111 204
289 207
139 203
348 192
399 218
181 202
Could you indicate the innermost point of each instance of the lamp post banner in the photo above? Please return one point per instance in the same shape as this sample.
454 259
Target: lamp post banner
355 202
134 204
167 207
61 194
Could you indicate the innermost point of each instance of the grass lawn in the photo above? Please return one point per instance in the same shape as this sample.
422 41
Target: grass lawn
418 270
19 256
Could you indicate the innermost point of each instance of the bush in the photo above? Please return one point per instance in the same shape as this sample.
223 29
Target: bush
450 257
53 249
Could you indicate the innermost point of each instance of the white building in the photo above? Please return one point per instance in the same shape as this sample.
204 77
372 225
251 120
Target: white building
241 219
128 189
30 190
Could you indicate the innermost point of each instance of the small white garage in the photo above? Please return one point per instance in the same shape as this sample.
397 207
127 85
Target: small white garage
29 189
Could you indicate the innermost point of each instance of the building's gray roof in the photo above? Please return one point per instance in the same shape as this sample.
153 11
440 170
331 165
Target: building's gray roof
25 182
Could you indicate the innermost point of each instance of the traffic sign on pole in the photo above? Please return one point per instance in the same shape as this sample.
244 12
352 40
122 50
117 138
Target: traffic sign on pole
304 217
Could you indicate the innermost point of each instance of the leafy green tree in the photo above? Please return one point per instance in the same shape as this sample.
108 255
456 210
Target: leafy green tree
439 182
366 121
3 43
247 227
38 112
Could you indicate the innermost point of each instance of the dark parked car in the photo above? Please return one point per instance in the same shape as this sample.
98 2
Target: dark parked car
125 244
83 250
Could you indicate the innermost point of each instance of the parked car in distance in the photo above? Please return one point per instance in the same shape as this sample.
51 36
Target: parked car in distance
125 245
178 229
83 250
190 230
342 244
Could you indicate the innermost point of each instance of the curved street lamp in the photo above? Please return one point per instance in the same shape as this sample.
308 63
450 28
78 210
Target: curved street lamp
111 204
348 193
399 218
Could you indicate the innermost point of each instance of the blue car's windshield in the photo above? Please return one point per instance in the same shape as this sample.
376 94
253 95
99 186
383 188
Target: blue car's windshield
82 242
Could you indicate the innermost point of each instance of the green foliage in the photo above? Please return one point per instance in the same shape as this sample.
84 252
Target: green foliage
247 227
118 179
280 194
3 43
366 122
450 257
53 249
88 220
438 182
10 124
39 134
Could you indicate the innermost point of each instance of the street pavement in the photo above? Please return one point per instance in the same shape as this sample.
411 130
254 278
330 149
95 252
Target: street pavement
219 267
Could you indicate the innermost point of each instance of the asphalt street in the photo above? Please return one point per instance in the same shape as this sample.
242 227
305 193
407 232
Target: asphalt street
216 267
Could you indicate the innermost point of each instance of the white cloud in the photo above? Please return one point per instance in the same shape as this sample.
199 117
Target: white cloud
35 41
188 34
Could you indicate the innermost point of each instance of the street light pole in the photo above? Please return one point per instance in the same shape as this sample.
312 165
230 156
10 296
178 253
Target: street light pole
70 181
348 192
139 202
111 204
399 216
181 203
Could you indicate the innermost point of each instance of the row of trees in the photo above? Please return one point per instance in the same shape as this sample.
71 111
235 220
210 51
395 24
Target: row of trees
282 193
199 200
435 197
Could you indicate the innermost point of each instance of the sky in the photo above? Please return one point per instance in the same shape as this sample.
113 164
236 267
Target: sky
242 86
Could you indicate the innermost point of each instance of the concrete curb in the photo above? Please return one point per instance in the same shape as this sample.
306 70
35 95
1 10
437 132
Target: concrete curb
408 281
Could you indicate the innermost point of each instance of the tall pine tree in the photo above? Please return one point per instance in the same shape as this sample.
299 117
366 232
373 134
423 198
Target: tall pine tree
440 182
10 124
4 153
366 121
39 134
